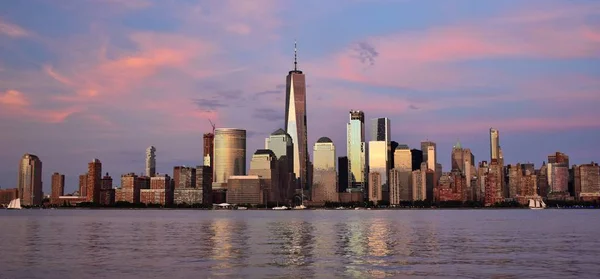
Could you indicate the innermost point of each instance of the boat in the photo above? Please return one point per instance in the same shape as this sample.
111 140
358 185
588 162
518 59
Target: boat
340 208
14 204
242 208
536 204
299 207
283 207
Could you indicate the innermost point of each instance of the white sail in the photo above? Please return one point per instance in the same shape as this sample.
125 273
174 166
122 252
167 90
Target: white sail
537 203
15 204
543 205
531 203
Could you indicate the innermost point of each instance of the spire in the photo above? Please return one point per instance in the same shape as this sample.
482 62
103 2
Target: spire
457 145
295 57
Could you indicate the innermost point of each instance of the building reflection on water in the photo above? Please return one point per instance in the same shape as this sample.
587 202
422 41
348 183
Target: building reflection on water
229 246
292 246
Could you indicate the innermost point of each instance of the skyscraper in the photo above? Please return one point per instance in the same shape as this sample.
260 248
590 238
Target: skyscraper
295 120
282 146
494 144
94 178
230 154
58 187
209 145
324 174
264 165
30 180
150 161
380 129
356 150
342 174
401 175
378 166
429 154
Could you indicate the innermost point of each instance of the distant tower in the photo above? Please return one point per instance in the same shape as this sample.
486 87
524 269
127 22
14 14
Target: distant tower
494 144
429 154
230 154
30 180
356 149
94 181
295 120
324 173
58 187
150 161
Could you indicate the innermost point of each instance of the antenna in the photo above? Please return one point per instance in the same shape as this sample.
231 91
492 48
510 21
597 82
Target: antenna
213 126
295 57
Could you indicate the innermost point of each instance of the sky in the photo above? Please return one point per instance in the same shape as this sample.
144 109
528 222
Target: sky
85 79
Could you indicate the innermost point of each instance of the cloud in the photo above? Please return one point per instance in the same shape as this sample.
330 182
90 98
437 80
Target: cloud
208 104
366 53
12 30
268 114
13 98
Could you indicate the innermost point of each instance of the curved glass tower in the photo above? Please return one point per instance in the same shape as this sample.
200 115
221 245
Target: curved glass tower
230 154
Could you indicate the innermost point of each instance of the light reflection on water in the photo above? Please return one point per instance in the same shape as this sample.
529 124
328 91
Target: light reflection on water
299 244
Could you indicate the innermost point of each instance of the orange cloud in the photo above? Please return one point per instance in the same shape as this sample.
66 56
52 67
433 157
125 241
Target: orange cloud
13 98
12 30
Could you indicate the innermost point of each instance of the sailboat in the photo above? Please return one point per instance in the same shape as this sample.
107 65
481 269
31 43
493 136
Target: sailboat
14 204
536 204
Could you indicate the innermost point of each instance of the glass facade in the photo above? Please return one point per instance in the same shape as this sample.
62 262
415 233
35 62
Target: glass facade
324 155
295 122
230 154
494 144
378 152
356 149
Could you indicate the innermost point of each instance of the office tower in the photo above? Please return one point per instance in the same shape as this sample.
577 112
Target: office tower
230 154
58 187
392 149
342 174
264 165
429 154
587 182
209 145
246 189
515 174
494 191
401 175
30 180
282 146
558 158
83 185
94 177
494 144
356 150
204 182
184 177
295 121
542 181
417 158
378 164
150 161
325 186
463 161
107 193
380 129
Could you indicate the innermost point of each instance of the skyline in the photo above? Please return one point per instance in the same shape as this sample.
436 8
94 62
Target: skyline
81 89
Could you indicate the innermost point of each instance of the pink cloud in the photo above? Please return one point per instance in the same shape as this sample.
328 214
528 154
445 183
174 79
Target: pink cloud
13 98
12 30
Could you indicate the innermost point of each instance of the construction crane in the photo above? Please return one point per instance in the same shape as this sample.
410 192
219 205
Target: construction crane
213 126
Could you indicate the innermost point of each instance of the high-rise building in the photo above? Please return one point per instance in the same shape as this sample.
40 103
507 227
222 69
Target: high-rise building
230 154
159 193
209 145
264 165
417 158
380 129
295 121
392 149
429 154
400 179
587 181
150 161
184 177
130 189
494 144
356 151
342 174
58 187
107 193
378 153
422 181
83 180
282 146
30 180
94 181
325 186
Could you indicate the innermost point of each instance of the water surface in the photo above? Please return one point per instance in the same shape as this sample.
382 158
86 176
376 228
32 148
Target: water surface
300 244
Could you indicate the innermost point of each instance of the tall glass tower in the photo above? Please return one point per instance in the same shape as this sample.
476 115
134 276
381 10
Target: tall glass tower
295 120
356 150
494 144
